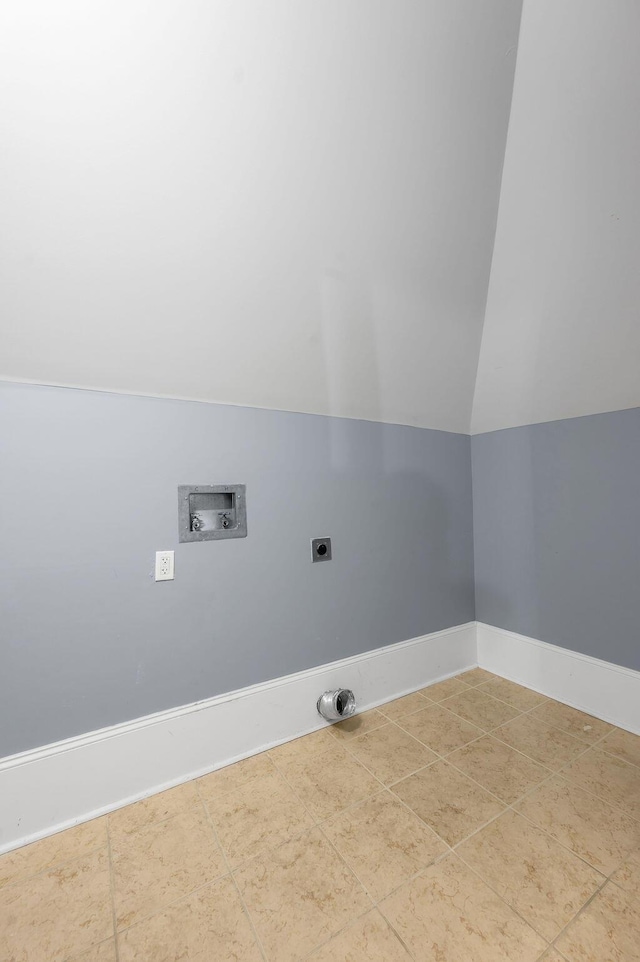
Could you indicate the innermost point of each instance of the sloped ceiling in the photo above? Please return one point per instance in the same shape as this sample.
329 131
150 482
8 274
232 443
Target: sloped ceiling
283 204
562 329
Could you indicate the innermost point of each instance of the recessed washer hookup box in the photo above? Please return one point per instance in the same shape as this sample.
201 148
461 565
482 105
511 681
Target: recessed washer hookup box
211 512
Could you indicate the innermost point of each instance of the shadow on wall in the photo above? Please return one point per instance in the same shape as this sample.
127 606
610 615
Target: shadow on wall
89 639
557 532
409 509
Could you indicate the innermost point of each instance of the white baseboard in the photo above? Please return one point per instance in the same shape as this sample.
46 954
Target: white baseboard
55 787
60 785
597 687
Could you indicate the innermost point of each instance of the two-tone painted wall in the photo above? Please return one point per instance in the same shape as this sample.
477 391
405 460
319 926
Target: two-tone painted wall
556 510
88 490
557 504
286 208
288 205
282 207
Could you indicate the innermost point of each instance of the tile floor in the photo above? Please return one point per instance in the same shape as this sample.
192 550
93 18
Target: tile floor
474 821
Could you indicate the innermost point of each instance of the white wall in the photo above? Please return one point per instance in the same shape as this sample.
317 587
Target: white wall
562 329
286 204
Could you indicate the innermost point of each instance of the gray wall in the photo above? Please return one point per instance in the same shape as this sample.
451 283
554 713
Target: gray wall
88 494
557 533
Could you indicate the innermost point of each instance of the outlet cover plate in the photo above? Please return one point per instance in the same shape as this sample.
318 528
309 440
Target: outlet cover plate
164 565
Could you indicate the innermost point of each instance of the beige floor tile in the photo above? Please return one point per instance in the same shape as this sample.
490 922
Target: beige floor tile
518 697
439 729
383 843
370 939
390 753
403 706
444 689
300 895
156 808
477 676
572 721
451 804
623 744
594 830
208 926
105 952
258 816
480 709
303 747
628 875
58 914
613 779
163 862
501 770
360 724
235 776
329 782
608 930
449 914
552 956
39 856
548 746
543 882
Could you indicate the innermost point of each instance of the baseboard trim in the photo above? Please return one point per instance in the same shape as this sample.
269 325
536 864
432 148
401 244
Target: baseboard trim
60 785
607 691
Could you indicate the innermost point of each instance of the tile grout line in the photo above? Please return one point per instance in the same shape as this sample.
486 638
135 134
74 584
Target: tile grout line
428 701
180 898
562 845
510 807
344 744
573 784
375 906
521 798
408 775
608 881
484 733
507 807
557 841
397 935
350 869
83 953
450 849
387 789
529 711
319 825
112 889
160 909
374 902
580 911
618 758
349 925
319 821
512 908
564 774
491 733
56 865
245 908
478 873
316 823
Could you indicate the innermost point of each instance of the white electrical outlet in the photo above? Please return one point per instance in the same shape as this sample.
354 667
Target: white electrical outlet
164 565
